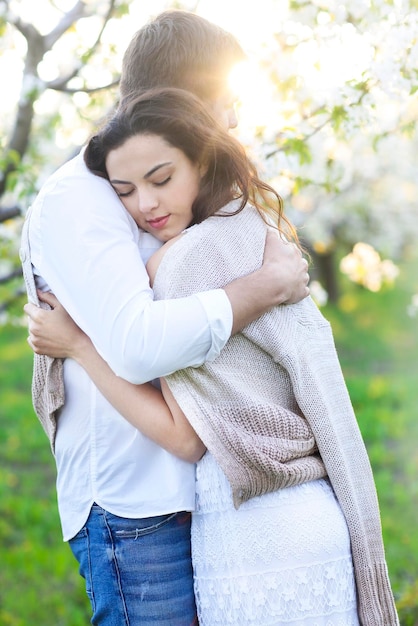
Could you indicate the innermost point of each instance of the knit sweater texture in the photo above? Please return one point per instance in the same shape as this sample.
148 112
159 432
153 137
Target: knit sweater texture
47 381
275 393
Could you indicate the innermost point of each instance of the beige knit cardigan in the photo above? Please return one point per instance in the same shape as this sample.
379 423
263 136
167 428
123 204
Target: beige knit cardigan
271 387
47 380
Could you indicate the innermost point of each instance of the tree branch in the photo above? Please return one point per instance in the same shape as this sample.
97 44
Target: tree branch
60 84
78 11
8 213
32 86
57 86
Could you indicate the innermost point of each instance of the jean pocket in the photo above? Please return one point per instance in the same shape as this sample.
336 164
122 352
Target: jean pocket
135 528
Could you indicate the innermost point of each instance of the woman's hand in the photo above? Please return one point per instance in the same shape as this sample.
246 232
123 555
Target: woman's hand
53 332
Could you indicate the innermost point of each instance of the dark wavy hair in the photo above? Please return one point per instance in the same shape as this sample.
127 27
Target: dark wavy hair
185 123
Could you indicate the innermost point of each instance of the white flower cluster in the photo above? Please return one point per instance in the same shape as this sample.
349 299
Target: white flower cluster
342 146
364 266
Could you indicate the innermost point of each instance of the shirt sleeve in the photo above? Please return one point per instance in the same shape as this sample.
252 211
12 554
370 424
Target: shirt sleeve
84 245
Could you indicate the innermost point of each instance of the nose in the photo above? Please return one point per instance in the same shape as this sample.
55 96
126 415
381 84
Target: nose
147 200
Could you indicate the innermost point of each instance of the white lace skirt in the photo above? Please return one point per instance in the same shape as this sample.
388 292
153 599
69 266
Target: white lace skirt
282 558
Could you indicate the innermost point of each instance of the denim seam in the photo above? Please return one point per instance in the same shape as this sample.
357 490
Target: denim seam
115 562
93 599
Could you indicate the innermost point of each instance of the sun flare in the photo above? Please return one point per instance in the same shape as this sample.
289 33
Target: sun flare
257 101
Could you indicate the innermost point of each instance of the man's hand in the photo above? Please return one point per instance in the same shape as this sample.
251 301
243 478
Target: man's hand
53 332
282 279
288 269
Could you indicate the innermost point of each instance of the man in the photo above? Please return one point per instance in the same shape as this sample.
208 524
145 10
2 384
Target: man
124 502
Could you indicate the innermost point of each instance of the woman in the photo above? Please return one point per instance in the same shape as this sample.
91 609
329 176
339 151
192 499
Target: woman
286 482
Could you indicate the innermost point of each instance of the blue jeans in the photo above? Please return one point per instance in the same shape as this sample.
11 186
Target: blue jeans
138 572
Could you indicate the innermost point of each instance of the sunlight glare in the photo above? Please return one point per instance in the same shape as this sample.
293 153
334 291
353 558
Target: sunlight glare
256 95
253 24
42 14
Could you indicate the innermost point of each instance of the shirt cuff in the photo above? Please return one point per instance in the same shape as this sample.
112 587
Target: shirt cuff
220 318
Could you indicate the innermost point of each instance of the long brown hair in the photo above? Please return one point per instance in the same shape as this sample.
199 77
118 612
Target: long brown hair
185 123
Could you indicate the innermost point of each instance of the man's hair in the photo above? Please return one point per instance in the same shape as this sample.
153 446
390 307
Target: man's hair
183 50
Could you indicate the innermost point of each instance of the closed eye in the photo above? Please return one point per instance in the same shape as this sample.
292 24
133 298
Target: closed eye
163 182
123 194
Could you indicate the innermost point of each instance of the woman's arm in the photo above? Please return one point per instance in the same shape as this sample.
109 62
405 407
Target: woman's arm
159 418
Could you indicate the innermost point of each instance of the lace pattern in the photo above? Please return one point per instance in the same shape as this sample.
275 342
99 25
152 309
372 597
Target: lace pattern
282 558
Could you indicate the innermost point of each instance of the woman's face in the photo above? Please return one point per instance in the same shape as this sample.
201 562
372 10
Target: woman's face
156 183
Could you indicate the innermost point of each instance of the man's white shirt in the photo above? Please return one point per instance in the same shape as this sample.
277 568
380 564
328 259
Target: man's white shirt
87 249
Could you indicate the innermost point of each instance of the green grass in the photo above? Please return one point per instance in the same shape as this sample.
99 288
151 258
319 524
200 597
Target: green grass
378 347
39 583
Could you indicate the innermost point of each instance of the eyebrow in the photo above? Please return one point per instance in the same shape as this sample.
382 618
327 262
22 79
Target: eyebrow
152 171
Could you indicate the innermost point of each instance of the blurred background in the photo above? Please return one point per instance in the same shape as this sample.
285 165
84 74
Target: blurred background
327 104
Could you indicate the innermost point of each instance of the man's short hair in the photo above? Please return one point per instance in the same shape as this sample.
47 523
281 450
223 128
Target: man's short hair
180 49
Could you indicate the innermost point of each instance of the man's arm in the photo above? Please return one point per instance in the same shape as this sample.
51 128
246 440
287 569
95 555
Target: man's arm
155 415
85 246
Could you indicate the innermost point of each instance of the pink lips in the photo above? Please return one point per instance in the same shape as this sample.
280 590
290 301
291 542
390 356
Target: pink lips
159 222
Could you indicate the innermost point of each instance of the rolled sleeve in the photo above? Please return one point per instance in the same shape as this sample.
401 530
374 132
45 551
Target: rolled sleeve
220 318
